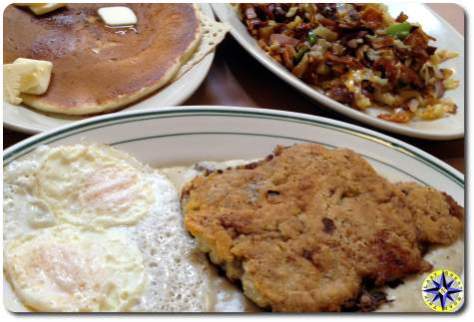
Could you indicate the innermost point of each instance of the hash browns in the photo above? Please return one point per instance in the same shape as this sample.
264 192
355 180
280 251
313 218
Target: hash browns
358 55
304 229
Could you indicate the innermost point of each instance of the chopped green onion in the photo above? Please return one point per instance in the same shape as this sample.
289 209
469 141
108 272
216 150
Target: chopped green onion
299 55
312 38
399 30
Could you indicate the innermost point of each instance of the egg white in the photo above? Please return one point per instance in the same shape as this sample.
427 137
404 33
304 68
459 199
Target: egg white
70 269
177 276
93 186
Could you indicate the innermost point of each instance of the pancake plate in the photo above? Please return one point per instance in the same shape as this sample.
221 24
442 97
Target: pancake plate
98 68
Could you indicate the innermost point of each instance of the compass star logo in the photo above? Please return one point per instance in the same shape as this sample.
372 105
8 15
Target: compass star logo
443 291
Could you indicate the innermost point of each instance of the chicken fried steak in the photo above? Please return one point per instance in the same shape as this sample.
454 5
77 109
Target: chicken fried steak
304 229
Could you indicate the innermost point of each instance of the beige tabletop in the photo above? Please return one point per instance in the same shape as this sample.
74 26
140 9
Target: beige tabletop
236 78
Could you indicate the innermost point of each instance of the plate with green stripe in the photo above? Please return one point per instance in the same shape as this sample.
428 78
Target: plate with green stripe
182 136
28 120
446 128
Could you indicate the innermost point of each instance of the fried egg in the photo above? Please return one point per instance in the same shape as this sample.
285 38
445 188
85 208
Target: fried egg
97 193
65 268
93 186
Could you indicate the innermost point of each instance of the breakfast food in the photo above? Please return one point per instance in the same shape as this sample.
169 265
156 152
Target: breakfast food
117 16
117 244
100 68
305 220
310 229
93 186
34 218
65 269
358 55
42 8
27 76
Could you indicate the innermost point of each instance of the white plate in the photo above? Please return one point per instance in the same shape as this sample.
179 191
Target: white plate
24 119
451 127
175 136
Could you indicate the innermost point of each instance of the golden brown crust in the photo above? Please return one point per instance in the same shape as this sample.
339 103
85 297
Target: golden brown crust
303 228
97 68
439 219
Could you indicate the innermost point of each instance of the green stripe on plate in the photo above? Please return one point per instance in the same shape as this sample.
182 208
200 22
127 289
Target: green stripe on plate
144 138
122 119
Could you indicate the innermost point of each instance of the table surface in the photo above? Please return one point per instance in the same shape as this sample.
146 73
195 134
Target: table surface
236 78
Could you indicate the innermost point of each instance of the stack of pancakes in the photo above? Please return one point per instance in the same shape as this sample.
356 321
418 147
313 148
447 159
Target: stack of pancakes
98 68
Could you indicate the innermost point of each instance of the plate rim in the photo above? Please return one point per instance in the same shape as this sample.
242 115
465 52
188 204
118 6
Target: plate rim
321 98
206 63
24 147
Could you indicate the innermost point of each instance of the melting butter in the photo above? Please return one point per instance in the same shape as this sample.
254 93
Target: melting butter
118 16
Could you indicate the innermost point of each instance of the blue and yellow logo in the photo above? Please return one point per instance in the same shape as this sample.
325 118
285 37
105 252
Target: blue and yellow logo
443 291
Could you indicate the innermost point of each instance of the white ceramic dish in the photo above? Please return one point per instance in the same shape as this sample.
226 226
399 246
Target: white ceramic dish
24 119
176 136
451 127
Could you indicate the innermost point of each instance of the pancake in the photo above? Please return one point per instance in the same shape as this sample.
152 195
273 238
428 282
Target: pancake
98 68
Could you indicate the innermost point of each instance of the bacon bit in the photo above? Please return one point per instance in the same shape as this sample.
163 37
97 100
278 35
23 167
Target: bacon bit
327 22
341 94
402 17
409 76
372 18
407 94
345 60
399 117
418 39
304 27
347 25
382 42
388 67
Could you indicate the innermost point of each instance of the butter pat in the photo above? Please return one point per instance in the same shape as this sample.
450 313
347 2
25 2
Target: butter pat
27 76
36 83
12 78
117 16
43 8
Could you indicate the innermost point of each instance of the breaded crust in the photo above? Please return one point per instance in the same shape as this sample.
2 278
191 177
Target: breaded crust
306 227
